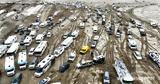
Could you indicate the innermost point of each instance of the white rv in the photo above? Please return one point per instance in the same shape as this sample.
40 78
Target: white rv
9 65
33 33
13 49
44 65
132 44
39 38
3 49
39 50
22 59
27 41
67 42
10 40
123 73
58 51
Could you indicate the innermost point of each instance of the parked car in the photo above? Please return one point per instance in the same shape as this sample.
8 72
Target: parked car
17 78
84 49
72 56
106 79
45 81
31 51
93 44
33 64
142 32
49 34
84 63
64 67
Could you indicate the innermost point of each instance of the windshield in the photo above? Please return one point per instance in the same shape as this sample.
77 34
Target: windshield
22 64
9 54
127 82
37 52
71 56
39 70
133 45
10 70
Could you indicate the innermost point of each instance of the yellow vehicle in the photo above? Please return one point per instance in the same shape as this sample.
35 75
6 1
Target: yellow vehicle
84 49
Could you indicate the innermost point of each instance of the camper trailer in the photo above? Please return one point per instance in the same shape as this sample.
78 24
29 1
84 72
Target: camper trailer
9 65
27 41
22 59
3 49
13 49
44 65
122 72
10 40
67 42
39 50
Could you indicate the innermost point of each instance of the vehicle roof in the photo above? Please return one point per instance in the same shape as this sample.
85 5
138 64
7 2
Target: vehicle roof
47 59
27 39
67 40
32 49
32 32
9 62
13 47
40 46
22 57
85 47
3 47
39 36
10 39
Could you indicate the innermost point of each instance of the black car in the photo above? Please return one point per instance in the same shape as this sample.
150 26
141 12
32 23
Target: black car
17 78
64 67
